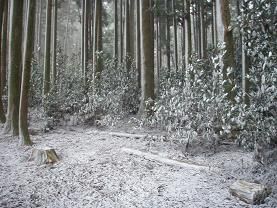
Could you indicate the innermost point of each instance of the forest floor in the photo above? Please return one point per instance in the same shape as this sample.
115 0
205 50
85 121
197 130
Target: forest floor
96 171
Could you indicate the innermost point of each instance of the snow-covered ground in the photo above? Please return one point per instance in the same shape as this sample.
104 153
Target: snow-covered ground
95 172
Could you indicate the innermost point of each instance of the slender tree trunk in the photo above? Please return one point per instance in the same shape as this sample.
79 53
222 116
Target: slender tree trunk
214 24
175 36
15 56
127 36
26 75
138 44
82 38
167 6
2 8
229 57
98 64
85 39
188 42
39 29
54 43
47 50
65 48
121 30
3 47
132 30
245 59
147 46
202 29
115 53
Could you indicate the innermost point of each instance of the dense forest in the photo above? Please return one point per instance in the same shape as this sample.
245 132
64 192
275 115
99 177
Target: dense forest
201 73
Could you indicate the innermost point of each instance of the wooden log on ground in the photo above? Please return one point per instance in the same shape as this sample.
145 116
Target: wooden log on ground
44 155
251 193
122 134
167 161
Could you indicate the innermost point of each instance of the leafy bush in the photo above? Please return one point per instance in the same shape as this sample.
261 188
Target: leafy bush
195 103
259 119
115 94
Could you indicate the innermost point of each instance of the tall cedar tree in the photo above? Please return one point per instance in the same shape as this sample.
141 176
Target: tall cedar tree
26 74
15 64
147 48
47 49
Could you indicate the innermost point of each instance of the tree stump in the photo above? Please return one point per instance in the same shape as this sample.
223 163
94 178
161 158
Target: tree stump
251 193
44 156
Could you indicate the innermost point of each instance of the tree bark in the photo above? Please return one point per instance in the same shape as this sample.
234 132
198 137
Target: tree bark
47 50
175 35
127 35
54 43
138 44
121 30
147 46
98 47
2 8
229 57
188 42
167 6
3 47
115 53
85 42
26 74
15 64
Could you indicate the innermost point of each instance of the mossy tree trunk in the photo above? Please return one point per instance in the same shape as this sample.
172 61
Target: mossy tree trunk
15 64
26 74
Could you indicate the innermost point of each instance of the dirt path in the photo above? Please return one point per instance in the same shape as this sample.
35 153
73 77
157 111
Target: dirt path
94 172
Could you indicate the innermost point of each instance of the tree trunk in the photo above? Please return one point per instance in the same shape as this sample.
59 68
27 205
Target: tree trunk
15 64
245 59
167 6
127 36
85 42
202 29
115 53
175 36
214 24
121 30
147 46
98 64
26 74
229 57
47 50
138 43
188 42
2 113
54 43
3 47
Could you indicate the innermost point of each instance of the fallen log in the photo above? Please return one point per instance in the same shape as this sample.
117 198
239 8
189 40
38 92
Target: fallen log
158 158
122 134
44 155
251 193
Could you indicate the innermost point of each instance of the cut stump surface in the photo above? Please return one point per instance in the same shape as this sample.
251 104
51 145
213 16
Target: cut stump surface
44 156
251 193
